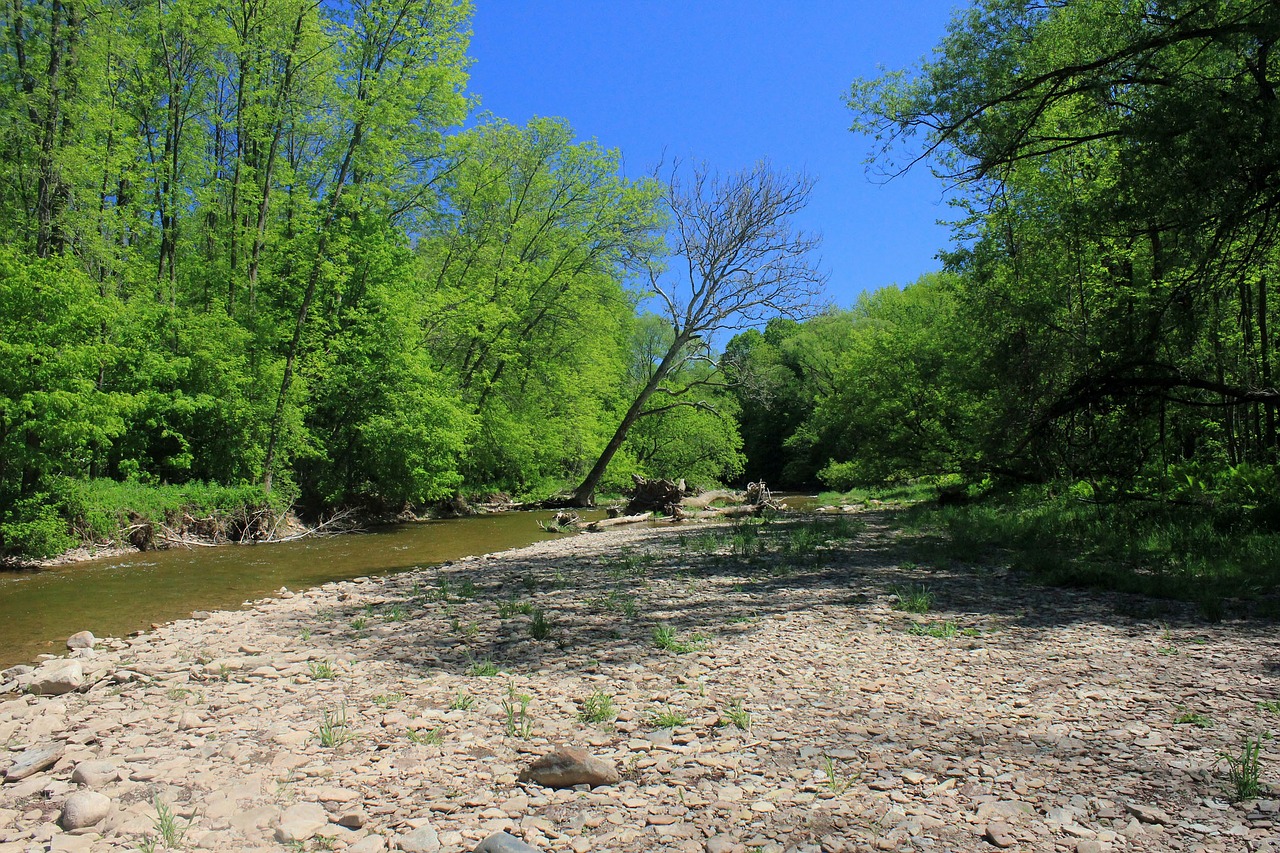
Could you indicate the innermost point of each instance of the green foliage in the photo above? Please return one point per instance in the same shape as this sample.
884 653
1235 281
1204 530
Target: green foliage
597 708
666 638
515 711
1244 770
912 598
668 718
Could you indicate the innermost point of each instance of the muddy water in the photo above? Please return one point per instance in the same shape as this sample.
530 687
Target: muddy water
116 595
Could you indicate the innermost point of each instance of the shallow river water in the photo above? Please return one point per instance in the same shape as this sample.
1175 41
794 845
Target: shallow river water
113 596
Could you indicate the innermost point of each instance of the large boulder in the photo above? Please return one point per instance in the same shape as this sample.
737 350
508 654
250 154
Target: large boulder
55 677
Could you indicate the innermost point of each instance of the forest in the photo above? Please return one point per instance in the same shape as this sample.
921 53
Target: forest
266 252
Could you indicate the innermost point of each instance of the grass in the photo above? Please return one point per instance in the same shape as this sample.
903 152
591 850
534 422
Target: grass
597 708
1204 554
386 700
938 630
321 670
666 638
483 669
735 714
912 598
462 702
668 718
1270 705
426 737
540 626
168 830
1244 770
359 623
515 709
1192 718
334 731
507 609
836 781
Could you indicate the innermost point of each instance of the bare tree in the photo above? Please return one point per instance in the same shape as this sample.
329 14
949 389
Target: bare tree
737 260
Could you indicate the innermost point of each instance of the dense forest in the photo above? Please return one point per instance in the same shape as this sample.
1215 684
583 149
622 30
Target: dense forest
267 246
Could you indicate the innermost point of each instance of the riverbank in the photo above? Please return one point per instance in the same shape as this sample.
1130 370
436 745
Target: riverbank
762 693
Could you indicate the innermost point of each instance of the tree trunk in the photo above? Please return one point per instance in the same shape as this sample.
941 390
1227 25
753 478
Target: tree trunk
585 494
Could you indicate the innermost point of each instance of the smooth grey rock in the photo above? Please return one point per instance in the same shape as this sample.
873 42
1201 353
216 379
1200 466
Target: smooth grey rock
56 677
424 839
566 766
83 809
95 774
81 640
501 842
33 761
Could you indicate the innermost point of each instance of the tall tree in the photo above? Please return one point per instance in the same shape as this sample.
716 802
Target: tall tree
737 260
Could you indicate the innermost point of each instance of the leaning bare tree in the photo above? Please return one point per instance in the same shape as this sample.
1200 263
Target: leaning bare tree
737 260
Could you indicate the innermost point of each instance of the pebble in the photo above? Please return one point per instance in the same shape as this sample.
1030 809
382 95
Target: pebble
84 809
862 736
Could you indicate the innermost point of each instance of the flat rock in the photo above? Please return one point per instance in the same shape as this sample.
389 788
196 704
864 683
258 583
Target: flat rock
424 839
55 677
368 844
566 766
1148 814
301 822
33 761
998 834
83 809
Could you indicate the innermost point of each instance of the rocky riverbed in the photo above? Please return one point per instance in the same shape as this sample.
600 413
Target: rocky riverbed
745 689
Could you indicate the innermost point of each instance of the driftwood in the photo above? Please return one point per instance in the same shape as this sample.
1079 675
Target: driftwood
660 495
605 523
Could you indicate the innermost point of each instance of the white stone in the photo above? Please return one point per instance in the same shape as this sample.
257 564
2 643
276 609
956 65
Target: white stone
84 808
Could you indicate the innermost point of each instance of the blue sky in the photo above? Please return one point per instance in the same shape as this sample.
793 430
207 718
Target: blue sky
731 83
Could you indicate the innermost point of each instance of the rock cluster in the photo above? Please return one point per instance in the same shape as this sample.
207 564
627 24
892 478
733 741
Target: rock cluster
794 709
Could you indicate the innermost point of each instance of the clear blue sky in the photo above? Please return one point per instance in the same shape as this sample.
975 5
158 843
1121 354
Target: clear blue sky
731 82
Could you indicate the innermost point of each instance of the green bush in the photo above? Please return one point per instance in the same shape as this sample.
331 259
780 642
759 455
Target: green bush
35 529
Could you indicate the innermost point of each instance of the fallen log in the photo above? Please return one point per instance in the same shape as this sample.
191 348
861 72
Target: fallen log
614 522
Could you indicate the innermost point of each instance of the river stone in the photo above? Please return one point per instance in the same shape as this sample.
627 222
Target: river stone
33 761
998 834
56 677
1148 814
84 808
566 766
368 844
95 774
301 822
424 839
501 842
81 640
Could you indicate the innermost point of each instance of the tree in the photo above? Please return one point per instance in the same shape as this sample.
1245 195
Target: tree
739 262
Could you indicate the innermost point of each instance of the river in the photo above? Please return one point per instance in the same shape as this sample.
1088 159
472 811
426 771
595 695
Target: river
116 595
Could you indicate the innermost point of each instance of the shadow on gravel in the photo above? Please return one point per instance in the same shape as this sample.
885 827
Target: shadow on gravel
599 601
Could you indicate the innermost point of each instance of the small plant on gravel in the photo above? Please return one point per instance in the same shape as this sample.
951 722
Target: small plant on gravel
597 708
1270 705
938 630
1192 718
516 710
177 694
736 715
386 700
1244 771
395 613
483 669
426 737
167 827
665 637
359 623
467 588
836 781
462 702
912 598
507 609
540 627
304 635
321 670
668 718
334 731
